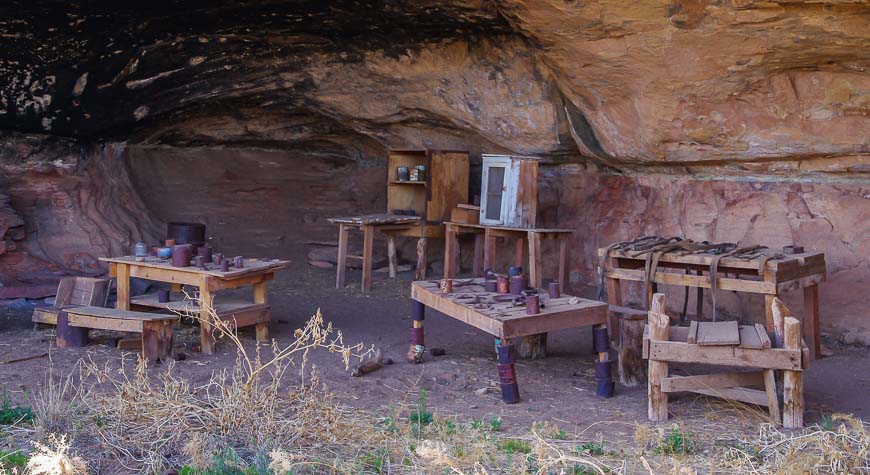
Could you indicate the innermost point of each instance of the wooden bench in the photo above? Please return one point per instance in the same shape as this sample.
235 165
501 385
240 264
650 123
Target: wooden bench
74 322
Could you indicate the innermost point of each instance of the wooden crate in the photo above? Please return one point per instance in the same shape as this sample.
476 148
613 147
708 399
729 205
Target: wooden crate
509 191
445 187
465 214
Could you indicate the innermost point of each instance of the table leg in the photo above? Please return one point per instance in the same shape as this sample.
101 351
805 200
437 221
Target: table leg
518 255
391 255
563 263
368 241
603 367
421 259
614 296
451 252
122 277
416 341
477 271
507 376
535 277
488 250
341 262
206 329
811 320
260 297
768 303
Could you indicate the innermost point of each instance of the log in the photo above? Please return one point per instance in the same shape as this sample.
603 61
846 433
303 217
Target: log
659 330
793 386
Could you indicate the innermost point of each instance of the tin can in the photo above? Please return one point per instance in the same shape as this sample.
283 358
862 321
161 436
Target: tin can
553 290
239 262
490 285
199 261
225 265
163 296
217 258
414 174
518 283
421 172
402 173
140 249
164 252
447 286
514 270
181 255
502 285
533 304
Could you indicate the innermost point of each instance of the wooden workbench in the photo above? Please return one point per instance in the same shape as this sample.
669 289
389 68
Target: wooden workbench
778 275
470 303
485 238
208 281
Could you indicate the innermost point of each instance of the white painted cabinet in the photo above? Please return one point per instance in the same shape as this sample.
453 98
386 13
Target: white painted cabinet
509 192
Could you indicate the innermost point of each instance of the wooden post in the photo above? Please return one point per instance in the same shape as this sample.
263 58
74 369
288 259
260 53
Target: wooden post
260 297
518 252
659 330
614 296
451 251
368 241
536 279
477 270
563 262
123 283
772 398
489 261
768 302
811 319
206 330
531 346
420 274
157 340
630 326
793 386
341 262
778 313
391 255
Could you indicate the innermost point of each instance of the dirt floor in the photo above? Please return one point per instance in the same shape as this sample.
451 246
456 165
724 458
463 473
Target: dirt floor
559 389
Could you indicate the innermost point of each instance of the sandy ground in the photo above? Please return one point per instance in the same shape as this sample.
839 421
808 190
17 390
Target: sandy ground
559 389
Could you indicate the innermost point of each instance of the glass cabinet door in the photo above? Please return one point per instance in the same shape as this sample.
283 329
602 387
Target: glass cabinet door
495 170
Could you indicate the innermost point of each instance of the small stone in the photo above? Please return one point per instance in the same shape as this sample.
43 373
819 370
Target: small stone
481 391
437 352
387 361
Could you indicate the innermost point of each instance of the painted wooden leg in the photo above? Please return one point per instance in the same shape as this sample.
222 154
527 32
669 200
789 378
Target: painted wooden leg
478 265
206 328
391 255
123 283
563 263
341 262
510 391
535 277
451 252
488 251
772 399
422 243
811 320
67 336
157 340
416 341
659 330
260 297
792 381
368 242
518 253
603 367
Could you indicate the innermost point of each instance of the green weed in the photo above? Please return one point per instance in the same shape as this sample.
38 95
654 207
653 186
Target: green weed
10 414
676 442
515 446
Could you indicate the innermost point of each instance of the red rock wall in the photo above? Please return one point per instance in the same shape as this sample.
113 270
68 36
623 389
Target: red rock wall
833 218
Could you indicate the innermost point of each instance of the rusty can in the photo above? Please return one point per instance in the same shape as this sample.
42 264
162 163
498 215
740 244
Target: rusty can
163 296
225 265
239 262
181 255
502 285
199 261
169 242
554 290
518 283
447 286
490 285
217 258
533 304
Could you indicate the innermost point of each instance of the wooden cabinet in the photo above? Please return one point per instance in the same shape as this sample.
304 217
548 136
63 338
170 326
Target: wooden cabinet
444 187
509 191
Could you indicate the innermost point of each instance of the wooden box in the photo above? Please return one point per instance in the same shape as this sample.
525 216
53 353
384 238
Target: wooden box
445 186
509 194
466 214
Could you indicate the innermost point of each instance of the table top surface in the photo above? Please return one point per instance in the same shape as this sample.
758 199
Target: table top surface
506 228
469 302
252 266
379 218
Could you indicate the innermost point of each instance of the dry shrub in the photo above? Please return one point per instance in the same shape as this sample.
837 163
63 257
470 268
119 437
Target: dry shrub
53 458
53 405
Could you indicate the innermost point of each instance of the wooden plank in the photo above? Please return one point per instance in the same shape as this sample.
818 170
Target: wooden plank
712 381
536 277
489 250
546 322
718 333
763 337
368 243
162 275
792 381
669 278
103 312
562 277
392 258
206 328
447 183
420 272
772 399
692 337
659 326
252 266
64 291
44 315
215 284
811 320
103 323
512 230
451 252
773 358
457 311
123 283
751 396
725 262
749 337
341 264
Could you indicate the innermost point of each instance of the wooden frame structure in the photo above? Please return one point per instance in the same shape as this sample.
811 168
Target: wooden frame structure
791 272
485 249
664 344
207 281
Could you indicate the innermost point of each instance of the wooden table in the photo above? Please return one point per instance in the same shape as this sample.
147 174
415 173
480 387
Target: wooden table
781 274
487 235
502 319
255 273
392 225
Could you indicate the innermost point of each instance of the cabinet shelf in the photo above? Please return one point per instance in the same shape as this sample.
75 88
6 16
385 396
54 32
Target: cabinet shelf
407 182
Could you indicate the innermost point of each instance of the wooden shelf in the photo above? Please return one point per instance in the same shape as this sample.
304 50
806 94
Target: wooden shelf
407 182
178 303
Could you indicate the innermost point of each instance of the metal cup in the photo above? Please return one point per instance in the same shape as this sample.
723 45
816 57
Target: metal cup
553 290
533 304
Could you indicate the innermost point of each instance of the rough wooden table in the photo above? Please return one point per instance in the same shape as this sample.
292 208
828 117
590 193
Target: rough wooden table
485 249
789 272
208 281
470 303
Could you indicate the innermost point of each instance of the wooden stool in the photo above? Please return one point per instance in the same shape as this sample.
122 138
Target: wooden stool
156 329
